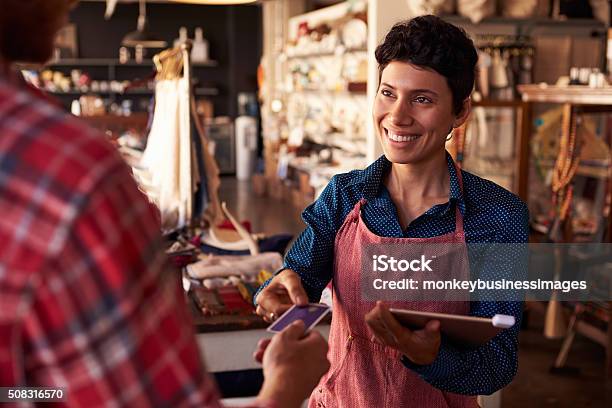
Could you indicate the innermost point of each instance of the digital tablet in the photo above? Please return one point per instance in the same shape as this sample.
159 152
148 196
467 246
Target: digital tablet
467 330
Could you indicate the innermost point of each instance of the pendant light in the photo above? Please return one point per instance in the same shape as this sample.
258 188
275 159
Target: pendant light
141 37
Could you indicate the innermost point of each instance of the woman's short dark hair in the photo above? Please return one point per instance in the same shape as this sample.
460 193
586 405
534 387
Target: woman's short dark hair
430 42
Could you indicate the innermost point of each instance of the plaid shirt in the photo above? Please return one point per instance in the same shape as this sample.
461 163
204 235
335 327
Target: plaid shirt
85 302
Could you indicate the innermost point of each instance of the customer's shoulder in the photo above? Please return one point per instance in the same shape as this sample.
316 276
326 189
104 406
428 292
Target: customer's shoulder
53 166
482 195
51 142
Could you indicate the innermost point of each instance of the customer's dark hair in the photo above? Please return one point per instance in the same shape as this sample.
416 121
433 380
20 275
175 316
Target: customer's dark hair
430 42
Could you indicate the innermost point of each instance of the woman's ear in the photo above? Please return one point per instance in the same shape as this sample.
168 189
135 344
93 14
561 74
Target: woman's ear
464 113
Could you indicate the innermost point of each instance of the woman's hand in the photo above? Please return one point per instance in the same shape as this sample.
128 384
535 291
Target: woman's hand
419 346
284 291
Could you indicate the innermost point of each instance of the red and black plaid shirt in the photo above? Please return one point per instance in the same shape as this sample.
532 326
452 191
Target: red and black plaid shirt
84 302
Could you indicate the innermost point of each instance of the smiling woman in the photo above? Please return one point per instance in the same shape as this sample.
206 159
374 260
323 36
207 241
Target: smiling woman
413 194
427 70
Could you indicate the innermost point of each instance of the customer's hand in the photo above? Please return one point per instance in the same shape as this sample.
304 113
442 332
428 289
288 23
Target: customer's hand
293 364
284 291
419 346
262 345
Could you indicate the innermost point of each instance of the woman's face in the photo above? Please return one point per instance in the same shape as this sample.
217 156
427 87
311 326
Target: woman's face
413 113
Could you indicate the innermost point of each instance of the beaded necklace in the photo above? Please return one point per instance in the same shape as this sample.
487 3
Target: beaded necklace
566 166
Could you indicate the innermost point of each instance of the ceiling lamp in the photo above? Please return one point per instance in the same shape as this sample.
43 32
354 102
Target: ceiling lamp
141 37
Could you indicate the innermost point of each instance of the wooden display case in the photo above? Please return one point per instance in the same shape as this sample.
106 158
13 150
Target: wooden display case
590 319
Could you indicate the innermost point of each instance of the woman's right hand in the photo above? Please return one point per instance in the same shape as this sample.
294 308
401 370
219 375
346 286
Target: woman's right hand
284 291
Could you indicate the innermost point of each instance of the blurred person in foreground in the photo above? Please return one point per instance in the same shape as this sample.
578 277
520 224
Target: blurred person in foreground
84 300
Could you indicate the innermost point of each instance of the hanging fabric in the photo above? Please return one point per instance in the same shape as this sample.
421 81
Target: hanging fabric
476 10
519 8
177 170
168 155
423 7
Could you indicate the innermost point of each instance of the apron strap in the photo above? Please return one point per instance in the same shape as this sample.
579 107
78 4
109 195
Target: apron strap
358 206
458 220
458 215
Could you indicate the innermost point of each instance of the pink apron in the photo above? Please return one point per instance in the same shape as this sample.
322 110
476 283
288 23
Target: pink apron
364 373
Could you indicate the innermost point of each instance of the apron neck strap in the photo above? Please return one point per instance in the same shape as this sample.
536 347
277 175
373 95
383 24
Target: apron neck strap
458 219
360 204
458 215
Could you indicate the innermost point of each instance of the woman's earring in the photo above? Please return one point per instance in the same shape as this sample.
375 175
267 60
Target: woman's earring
450 134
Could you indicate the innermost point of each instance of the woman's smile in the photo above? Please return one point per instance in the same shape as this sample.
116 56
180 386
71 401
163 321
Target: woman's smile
401 138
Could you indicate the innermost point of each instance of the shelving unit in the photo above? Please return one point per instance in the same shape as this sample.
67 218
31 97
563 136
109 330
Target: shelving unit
85 62
108 69
112 65
145 92
327 54
576 100
574 35
522 24
333 115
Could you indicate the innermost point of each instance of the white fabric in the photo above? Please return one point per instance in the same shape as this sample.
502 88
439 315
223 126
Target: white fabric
218 266
167 157
601 10
424 7
210 238
518 8
110 8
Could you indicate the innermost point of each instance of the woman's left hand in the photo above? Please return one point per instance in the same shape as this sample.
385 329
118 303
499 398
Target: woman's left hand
419 346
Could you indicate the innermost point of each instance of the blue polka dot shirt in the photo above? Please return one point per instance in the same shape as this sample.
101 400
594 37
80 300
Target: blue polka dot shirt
491 215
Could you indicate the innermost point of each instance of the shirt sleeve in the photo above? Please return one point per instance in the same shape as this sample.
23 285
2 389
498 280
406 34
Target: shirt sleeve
312 253
492 366
108 318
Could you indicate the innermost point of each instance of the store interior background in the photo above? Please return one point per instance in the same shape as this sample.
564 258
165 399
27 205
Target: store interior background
284 177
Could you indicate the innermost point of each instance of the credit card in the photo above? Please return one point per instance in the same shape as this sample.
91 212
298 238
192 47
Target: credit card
310 314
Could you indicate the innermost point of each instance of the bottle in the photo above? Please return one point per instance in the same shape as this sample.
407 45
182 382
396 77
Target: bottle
583 75
574 76
182 37
199 52
75 107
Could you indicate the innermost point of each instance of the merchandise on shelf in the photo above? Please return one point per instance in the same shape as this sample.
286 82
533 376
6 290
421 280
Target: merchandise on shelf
504 62
326 66
490 145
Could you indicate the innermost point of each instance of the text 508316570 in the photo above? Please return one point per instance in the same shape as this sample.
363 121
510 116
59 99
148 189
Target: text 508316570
32 394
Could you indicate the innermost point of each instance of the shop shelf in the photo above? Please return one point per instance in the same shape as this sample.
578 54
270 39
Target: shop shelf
110 62
326 53
198 92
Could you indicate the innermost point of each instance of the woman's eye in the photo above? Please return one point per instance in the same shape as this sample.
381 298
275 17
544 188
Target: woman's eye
422 99
386 92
